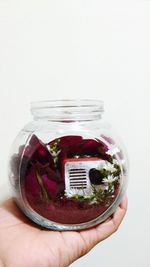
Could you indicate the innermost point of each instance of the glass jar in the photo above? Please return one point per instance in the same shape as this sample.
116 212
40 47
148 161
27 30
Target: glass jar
67 169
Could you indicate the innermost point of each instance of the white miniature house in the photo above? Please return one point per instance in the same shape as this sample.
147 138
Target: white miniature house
76 172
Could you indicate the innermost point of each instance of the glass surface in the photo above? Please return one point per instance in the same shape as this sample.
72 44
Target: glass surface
67 169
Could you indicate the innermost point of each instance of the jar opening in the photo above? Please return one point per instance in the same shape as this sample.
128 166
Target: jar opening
68 109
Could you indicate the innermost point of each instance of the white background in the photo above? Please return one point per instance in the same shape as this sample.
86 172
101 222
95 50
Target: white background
76 49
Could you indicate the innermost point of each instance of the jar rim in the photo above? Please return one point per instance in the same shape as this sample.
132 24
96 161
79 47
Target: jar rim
70 103
68 109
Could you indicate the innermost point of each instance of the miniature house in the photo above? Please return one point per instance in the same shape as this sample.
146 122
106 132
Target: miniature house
76 172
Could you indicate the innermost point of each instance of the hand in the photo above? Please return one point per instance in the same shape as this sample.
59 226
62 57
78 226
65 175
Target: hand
23 244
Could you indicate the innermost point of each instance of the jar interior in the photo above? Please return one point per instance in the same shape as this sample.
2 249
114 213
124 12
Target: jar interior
71 179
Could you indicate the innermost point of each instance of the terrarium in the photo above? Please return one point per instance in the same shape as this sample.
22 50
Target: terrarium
67 168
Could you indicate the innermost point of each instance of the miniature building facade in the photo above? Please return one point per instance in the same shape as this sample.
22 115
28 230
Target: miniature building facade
76 171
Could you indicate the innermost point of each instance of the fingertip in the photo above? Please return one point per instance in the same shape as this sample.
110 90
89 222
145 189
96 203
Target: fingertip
124 203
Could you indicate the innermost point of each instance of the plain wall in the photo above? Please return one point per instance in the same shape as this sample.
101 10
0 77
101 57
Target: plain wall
84 49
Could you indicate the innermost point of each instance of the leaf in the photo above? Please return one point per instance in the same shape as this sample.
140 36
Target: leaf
44 192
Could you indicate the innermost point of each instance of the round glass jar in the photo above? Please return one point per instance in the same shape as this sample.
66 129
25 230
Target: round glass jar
67 169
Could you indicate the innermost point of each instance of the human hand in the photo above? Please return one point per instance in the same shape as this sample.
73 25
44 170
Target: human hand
23 244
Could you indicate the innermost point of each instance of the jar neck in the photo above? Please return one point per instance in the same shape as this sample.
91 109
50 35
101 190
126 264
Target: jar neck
67 110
